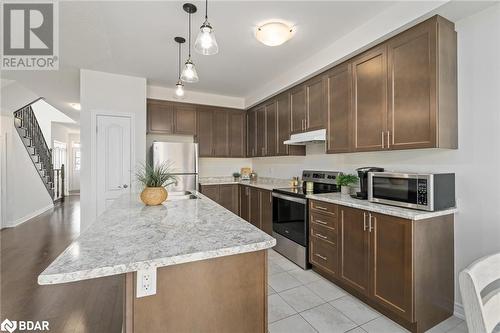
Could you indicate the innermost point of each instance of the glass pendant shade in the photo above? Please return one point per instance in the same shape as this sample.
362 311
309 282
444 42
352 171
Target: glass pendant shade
206 43
179 89
189 72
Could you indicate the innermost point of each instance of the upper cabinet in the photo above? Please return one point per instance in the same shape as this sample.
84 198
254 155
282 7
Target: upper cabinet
251 133
338 81
237 125
271 128
315 103
164 117
298 109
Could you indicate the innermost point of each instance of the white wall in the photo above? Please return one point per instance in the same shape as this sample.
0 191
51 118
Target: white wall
476 162
23 193
196 97
110 93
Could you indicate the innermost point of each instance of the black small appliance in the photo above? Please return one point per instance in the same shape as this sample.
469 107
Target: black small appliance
363 181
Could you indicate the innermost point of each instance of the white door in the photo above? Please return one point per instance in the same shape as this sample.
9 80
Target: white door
113 159
75 167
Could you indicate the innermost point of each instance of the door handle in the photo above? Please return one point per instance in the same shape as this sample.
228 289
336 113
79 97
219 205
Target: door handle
383 140
388 139
125 185
364 221
370 228
320 256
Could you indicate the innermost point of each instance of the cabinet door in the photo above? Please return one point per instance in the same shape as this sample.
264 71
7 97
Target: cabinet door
315 103
370 100
211 191
228 197
185 119
298 109
412 88
254 215
354 249
261 131
391 263
339 109
244 202
283 126
160 116
266 208
251 130
220 134
205 131
271 129
237 134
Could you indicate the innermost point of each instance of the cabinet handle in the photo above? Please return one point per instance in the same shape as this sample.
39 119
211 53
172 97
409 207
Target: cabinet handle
370 228
320 236
320 256
388 139
364 221
320 222
321 208
383 140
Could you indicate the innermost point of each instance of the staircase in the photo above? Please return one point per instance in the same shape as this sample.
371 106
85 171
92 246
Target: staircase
31 135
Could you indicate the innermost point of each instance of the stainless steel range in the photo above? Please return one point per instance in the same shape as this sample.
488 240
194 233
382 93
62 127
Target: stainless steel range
290 214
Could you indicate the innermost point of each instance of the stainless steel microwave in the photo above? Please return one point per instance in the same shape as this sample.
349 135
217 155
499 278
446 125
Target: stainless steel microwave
431 191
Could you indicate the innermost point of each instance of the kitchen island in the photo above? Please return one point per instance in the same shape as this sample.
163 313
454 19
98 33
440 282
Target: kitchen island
211 266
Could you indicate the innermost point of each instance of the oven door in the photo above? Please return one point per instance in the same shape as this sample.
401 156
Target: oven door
399 189
290 217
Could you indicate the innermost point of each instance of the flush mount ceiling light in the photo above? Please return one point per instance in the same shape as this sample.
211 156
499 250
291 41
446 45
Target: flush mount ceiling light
76 106
274 33
206 43
189 72
179 86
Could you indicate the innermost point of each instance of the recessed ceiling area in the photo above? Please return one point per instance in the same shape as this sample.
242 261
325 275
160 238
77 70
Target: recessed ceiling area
137 38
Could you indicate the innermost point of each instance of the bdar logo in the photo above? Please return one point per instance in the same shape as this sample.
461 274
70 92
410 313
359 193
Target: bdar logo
8 326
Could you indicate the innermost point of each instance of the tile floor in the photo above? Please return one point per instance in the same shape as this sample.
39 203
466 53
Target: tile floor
303 301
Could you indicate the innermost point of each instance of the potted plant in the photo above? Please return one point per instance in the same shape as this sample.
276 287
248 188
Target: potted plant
236 176
154 178
345 182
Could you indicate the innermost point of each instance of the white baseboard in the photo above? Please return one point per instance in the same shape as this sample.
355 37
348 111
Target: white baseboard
25 218
458 311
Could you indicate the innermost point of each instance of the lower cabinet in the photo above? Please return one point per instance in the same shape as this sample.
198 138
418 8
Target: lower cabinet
401 267
256 207
225 195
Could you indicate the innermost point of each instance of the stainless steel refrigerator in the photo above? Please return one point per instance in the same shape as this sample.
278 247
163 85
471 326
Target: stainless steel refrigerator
184 157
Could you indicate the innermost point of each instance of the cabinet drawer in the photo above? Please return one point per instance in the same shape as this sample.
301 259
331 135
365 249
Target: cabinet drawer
326 208
329 221
323 233
324 255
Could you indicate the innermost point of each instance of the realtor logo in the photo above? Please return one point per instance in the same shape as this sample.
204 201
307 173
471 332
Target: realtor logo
8 326
30 36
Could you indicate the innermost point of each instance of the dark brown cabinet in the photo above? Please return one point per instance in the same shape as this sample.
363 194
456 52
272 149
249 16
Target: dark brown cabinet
220 134
205 133
369 75
271 129
226 195
164 117
251 132
354 249
403 268
237 133
391 263
315 103
298 109
256 207
260 132
283 126
339 109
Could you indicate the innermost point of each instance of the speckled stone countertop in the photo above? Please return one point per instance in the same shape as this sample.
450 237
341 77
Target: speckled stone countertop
261 182
411 214
129 236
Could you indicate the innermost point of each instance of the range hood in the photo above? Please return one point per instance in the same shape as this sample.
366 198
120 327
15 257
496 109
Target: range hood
301 139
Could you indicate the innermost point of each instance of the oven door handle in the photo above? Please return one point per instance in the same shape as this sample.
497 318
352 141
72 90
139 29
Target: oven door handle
289 198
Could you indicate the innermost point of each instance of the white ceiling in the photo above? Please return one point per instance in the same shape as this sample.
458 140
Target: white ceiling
136 38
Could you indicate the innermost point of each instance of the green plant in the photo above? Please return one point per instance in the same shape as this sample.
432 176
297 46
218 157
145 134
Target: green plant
236 174
347 180
156 175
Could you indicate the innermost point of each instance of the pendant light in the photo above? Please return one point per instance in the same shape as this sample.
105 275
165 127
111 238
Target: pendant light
179 86
189 72
206 43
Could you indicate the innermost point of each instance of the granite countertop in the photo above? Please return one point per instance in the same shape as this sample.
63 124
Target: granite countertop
266 183
129 237
347 200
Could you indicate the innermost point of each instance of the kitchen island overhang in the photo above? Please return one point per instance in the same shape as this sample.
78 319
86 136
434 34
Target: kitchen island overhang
208 261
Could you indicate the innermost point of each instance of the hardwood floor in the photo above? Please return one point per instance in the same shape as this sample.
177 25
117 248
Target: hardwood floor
26 250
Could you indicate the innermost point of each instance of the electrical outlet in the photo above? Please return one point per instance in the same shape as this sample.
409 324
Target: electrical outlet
146 282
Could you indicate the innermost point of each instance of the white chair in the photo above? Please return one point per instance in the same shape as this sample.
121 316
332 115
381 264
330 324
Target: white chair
482 313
